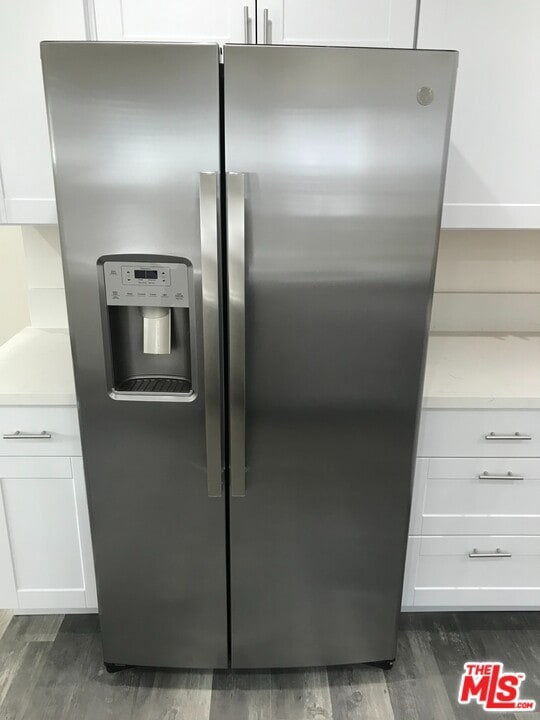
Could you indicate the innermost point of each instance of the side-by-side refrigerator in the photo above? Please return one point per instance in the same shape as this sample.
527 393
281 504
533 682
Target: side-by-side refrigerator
249 254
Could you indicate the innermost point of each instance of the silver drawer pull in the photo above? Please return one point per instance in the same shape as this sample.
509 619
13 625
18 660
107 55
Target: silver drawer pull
497 554
20 435
494 476
515 436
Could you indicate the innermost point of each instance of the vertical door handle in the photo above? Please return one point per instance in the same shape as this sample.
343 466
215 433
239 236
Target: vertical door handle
246 24
208 199
236 243
265 26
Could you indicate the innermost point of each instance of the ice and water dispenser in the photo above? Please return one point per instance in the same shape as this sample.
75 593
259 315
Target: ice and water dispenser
146 310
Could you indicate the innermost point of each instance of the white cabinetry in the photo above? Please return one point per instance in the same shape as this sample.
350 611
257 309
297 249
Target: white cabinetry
26 182
381 23
492 178
475 517
46 561
218 21
384 23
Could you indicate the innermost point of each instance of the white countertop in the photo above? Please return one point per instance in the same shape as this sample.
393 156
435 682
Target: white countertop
482 371
462 371
36 368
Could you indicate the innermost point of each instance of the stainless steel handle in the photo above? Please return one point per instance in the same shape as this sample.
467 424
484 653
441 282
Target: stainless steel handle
515 436
208 199
497 554
20 435
265 26
236 242
246 24
494 476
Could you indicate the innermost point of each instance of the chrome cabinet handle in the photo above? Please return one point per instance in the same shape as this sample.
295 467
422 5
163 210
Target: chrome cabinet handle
20 435
515 436
236 242
497 554
494 476
246 24
265 26
208 199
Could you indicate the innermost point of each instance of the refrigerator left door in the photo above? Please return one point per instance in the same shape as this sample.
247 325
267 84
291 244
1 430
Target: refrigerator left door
135 142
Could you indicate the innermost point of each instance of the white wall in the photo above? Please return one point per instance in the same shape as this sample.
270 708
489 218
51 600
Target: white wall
46 297
487 281
14 313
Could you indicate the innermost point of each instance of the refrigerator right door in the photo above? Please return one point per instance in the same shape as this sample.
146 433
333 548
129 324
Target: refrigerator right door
336 160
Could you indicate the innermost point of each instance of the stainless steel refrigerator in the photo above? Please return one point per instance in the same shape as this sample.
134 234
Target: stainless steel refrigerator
249 256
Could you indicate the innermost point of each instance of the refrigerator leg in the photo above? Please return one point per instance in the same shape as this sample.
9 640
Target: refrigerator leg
114 667
383 664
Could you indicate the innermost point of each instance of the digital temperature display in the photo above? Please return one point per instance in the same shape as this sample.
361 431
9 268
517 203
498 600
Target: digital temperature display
146 274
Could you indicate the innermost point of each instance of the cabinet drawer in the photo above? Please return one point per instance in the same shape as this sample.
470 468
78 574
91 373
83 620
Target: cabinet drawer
479 433
60 423
446 575
35 467
479 496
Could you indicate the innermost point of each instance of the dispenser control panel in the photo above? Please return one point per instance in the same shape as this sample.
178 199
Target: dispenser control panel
146 284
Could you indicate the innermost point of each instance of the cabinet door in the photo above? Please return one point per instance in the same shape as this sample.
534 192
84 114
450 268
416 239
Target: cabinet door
366 23
218 21
493 178
26 187
45 519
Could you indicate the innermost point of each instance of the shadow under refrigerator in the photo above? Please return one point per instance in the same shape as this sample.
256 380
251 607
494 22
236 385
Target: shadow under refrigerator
249 255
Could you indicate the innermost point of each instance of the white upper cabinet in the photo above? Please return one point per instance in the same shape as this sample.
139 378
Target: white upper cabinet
379 23
493 177
218 21
26 182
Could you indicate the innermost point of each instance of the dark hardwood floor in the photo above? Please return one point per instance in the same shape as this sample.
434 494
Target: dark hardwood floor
51 669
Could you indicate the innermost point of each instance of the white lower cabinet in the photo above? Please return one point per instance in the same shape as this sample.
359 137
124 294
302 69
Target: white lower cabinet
491 496
30 431
46 562
479 433
475 520
471 496
476 571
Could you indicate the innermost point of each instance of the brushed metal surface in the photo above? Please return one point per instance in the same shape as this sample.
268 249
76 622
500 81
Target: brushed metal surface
343 182
496 476
132 127
210 242
22 435
246 24
498 553
237 332
265 26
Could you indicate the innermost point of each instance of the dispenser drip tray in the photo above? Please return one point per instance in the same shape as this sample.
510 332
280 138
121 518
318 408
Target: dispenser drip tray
164 385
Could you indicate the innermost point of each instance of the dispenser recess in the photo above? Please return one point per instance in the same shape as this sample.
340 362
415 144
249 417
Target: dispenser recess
147 314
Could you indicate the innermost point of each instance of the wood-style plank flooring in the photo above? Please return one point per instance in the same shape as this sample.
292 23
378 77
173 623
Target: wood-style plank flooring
51 669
